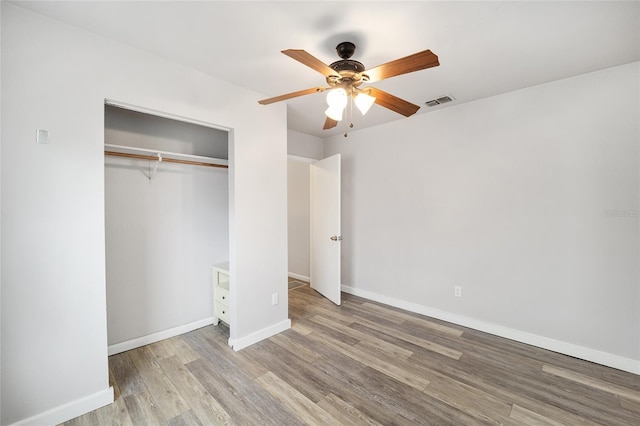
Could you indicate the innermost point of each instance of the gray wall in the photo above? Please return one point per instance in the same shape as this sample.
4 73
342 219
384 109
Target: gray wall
303 145
164 233
527 200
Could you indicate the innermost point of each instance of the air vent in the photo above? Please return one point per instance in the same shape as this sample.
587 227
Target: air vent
440 100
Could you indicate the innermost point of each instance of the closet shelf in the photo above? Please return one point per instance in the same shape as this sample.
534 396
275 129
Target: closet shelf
163 156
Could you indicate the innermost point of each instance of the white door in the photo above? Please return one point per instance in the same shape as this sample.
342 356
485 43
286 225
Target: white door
325 227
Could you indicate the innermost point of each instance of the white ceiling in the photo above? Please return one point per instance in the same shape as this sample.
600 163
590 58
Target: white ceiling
485 48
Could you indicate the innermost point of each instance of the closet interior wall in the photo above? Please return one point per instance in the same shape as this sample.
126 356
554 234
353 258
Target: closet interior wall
164 227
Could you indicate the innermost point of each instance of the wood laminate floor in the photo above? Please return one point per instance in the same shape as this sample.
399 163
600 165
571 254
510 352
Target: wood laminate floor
361 363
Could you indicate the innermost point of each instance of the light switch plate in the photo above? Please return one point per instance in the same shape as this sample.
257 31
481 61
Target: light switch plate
42 136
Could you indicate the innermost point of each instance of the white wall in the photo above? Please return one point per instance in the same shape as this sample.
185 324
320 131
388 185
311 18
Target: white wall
515 199
56 77
164 233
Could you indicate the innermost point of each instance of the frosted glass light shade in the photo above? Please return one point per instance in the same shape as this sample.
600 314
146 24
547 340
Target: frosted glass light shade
334 113
364 102
337 98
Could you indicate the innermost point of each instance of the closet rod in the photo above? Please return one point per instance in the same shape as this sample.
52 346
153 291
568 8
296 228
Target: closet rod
164 159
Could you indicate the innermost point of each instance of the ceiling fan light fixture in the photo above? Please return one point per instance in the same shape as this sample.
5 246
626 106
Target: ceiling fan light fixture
364 102
345 76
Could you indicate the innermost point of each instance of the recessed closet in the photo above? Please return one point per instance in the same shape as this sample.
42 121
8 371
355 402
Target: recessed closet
166 224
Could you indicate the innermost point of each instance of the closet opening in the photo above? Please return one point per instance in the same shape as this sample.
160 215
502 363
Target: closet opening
166 224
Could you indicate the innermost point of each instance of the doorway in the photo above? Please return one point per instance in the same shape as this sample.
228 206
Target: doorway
166 224
314 188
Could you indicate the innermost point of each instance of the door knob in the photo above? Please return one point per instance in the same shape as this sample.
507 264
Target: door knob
336 238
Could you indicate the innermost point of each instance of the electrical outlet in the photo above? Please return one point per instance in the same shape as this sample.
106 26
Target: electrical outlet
274 299
457 291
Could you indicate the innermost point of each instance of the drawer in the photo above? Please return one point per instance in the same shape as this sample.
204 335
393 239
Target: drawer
221 295
222 312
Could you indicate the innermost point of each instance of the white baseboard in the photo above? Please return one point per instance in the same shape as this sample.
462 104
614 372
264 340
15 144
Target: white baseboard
259 335
156 337
70 410
299 277
588 354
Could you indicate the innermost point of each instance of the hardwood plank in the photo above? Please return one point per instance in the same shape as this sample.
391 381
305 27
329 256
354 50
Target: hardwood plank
233 377
630 394
173 346
176 346
88 419
244 399
125 375
164 392
185 419
413 318
536 410
143 409
357 309
474 341
425 344
365 390
203 406
325 309
347 413
159 350
353 382
475 402
627 404
379 344
212 345
329 331
305 409
300 328
391 370
115 414
369 391
228 397
294 347
526 389
528 417
306 377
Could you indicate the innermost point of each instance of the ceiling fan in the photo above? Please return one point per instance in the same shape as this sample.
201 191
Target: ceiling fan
344 78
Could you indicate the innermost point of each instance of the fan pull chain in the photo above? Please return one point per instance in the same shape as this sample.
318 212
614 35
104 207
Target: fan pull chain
350 117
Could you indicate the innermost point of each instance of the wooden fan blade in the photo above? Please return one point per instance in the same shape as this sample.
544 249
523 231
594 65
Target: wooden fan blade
311 61
329 123
393 103
291 95
416 62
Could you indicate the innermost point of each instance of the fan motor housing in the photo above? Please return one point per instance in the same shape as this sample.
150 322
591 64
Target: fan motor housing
347 65
350 71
